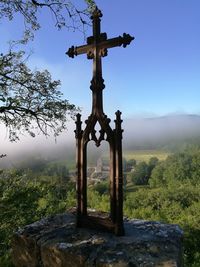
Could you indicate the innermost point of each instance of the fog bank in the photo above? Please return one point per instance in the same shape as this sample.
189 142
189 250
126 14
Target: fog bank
139 133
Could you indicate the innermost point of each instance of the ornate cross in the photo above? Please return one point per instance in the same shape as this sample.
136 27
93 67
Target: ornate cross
97 47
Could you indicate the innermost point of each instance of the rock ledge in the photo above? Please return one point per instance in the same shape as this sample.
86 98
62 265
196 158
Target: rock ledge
56 242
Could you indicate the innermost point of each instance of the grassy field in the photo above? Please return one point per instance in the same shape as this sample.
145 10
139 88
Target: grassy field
145 155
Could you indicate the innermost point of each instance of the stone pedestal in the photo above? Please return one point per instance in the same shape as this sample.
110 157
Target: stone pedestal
56 242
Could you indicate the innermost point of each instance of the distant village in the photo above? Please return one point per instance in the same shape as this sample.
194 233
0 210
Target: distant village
101 171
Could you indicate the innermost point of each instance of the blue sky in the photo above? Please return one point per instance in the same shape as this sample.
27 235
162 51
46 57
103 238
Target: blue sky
158 74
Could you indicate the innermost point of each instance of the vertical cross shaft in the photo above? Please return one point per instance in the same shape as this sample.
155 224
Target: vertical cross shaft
97 84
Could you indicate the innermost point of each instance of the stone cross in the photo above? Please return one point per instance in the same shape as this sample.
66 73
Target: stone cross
97 47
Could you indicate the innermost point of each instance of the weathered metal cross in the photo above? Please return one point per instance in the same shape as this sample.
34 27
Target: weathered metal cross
96 47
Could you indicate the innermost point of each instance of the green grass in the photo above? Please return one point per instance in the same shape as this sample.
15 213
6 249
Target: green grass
145 155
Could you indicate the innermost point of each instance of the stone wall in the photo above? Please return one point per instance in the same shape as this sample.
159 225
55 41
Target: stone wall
56 242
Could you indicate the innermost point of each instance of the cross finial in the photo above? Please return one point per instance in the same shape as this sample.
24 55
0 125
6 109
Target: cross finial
96 13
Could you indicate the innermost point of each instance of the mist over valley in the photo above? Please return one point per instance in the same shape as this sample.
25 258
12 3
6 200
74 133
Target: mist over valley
165 133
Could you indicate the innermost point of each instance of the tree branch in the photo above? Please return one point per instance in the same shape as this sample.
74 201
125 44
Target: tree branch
30 99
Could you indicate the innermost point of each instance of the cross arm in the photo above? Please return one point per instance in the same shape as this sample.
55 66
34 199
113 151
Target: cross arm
75 51
124 40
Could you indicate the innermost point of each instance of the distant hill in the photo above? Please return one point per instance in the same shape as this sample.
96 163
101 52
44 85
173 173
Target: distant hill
161 131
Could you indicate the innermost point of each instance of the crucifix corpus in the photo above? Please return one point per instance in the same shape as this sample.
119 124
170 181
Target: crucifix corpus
97 47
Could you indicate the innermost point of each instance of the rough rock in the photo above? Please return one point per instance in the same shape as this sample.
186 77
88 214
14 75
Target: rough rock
56 242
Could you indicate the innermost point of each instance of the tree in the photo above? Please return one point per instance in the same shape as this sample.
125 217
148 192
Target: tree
178 167
153 162
30 101
130 164
139 175
142 171
157 179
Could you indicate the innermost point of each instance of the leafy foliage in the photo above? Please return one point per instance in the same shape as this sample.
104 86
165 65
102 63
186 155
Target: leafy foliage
101 187
180 166
142 171
179 204
25 199
30 100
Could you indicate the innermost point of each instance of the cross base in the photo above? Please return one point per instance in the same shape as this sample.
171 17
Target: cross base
100 221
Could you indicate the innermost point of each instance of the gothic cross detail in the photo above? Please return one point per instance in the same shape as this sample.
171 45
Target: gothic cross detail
97 47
